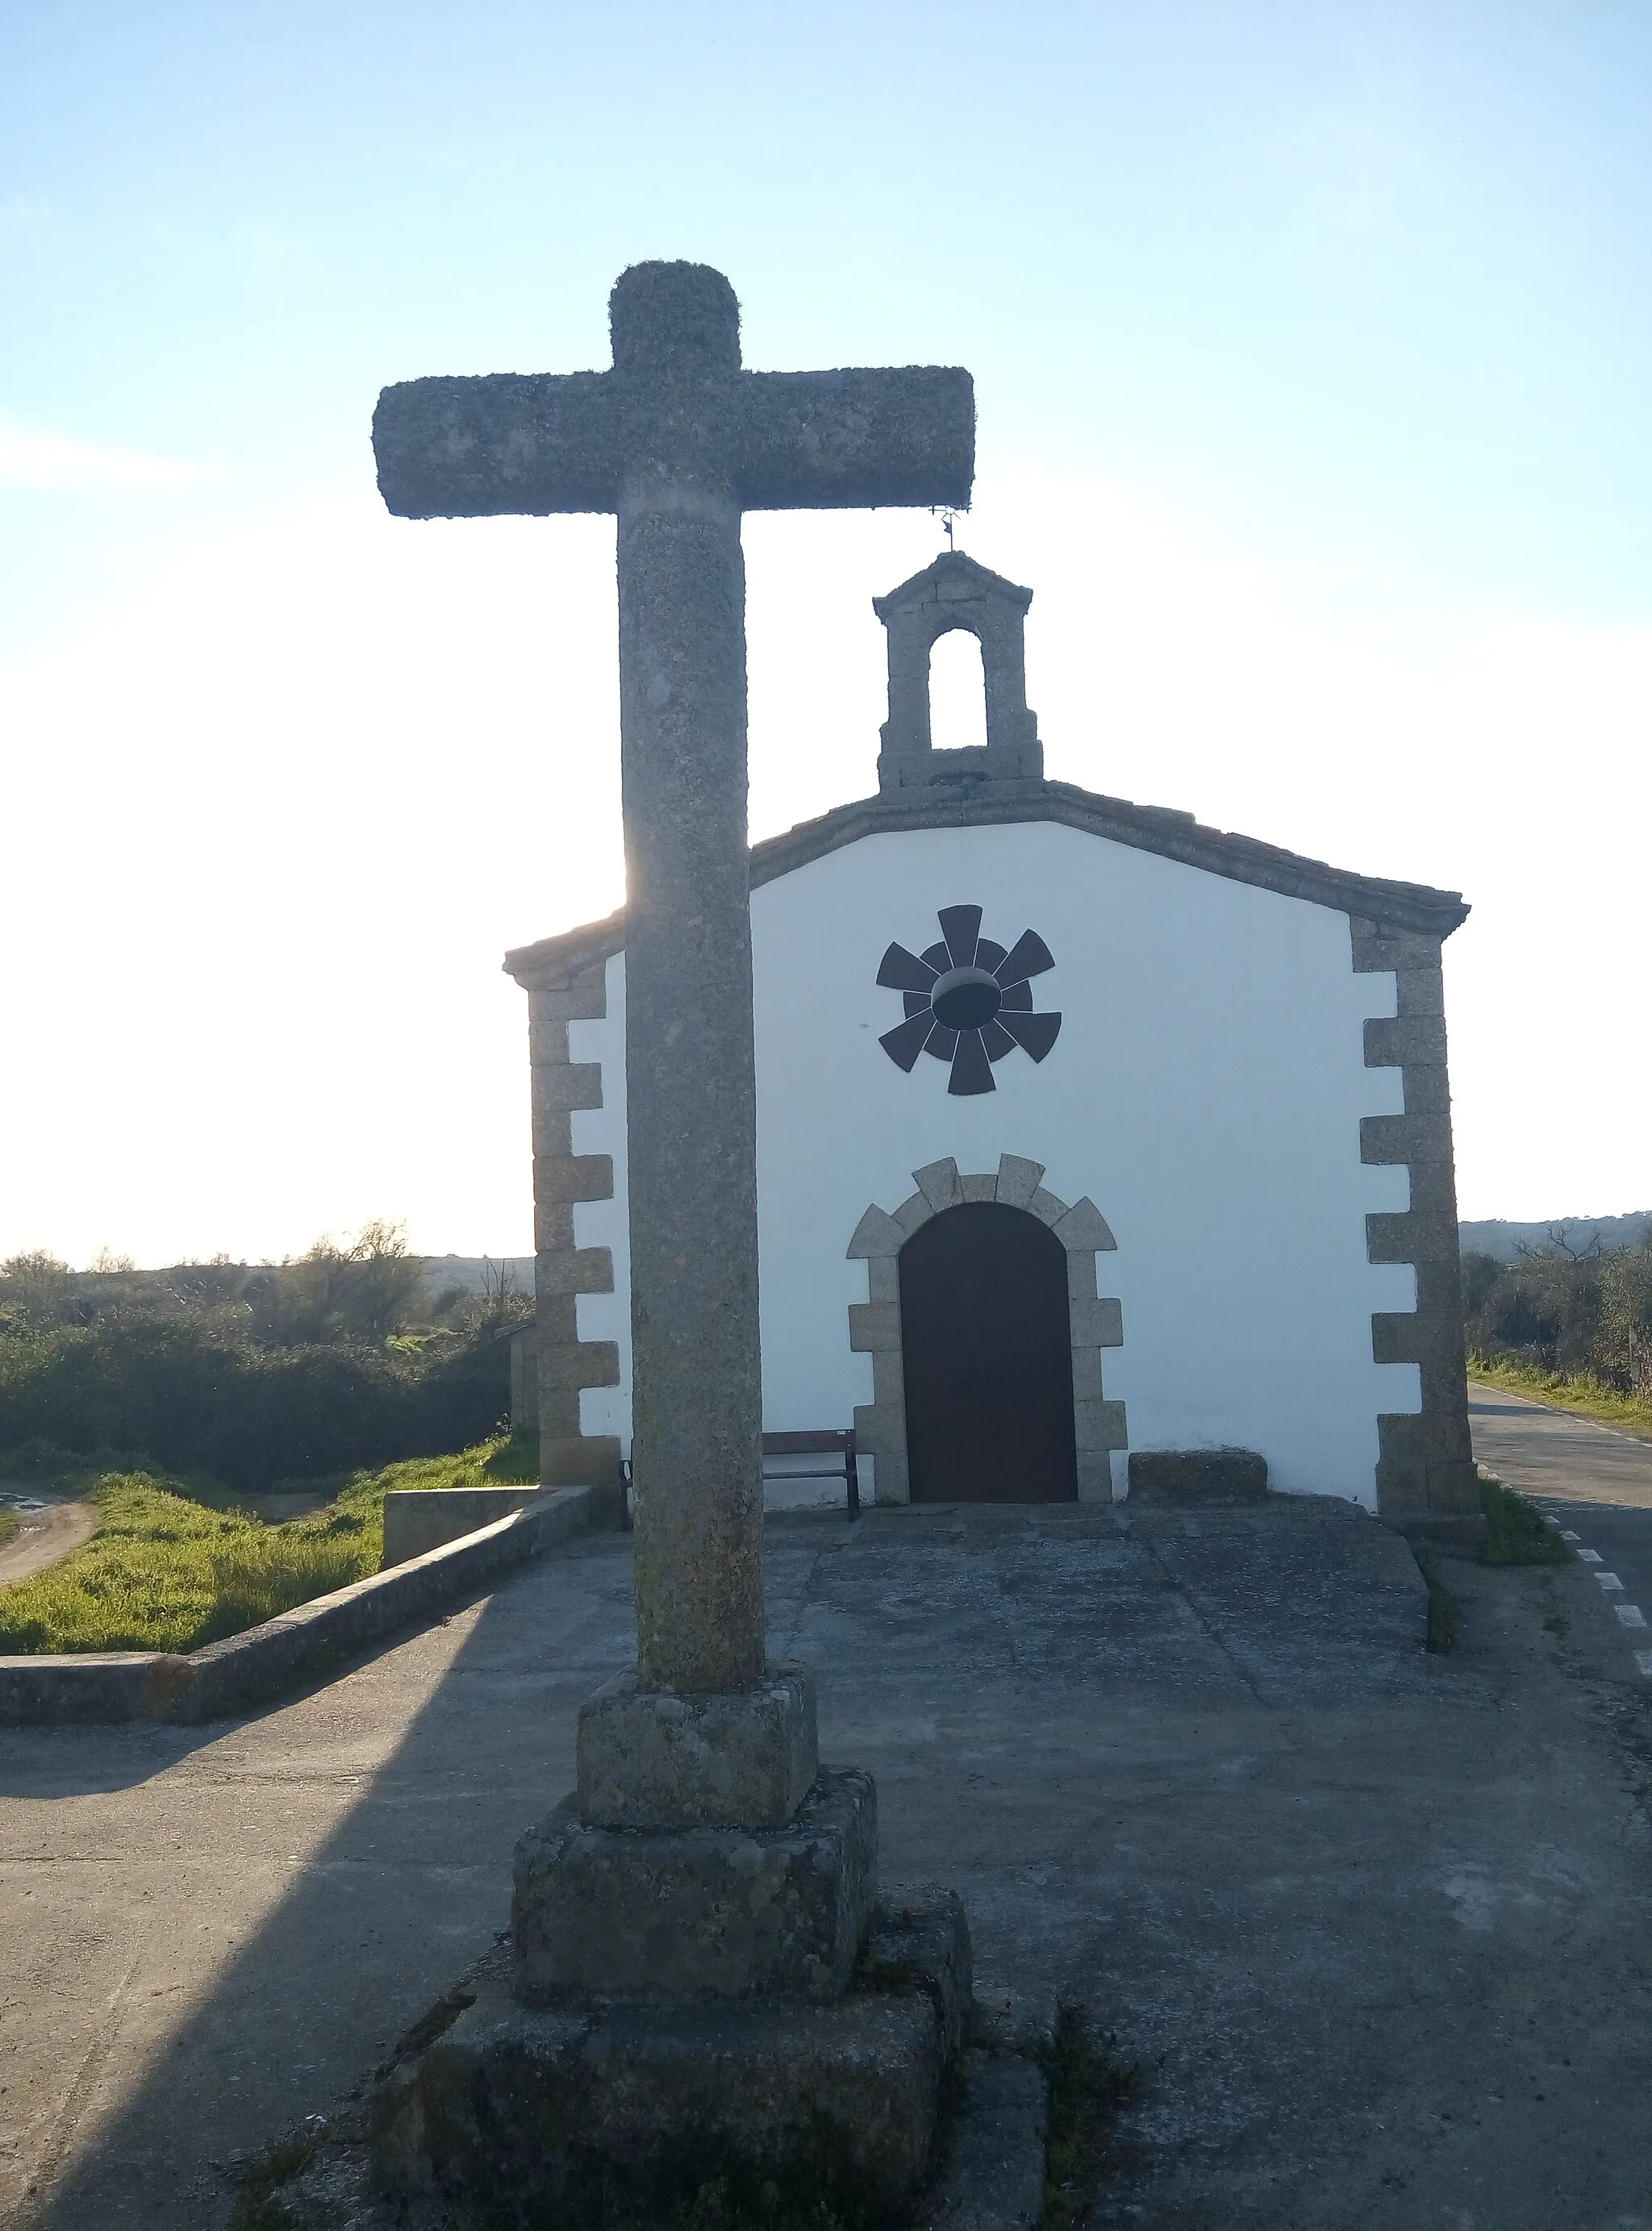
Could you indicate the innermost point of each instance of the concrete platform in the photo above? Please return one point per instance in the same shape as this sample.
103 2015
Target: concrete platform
1367 1920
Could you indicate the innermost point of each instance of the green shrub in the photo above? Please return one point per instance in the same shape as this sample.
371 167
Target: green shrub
39 1463
197 1397
1586 1314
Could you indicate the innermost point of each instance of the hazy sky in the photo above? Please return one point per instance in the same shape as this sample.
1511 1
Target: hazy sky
1311 348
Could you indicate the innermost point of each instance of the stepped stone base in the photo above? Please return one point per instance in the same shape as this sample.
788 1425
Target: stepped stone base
575 2115
653 1758
920 1937
665 1913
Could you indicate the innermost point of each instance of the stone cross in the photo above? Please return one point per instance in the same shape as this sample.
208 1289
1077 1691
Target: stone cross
678 441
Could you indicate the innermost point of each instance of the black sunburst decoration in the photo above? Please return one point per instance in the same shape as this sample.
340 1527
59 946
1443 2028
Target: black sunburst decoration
967 1000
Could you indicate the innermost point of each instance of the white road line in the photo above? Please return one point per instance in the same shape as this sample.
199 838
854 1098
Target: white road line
1608 1579
1630 1614
1589 1557
1565 1536
1643 1659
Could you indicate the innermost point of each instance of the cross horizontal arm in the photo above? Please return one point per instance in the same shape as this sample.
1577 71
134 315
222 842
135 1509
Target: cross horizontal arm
829 440
506 442
776 441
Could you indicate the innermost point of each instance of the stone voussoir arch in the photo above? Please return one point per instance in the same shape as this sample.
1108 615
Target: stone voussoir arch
875 1324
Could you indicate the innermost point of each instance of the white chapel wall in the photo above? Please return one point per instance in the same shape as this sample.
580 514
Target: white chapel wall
1205 1091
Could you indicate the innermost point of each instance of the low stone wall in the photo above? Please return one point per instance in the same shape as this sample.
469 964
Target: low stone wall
226 1677
419 1519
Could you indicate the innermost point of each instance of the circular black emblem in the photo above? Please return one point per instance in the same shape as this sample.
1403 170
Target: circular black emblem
969 1001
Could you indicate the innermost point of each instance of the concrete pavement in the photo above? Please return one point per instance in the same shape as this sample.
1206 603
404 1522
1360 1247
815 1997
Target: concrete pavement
1371 1923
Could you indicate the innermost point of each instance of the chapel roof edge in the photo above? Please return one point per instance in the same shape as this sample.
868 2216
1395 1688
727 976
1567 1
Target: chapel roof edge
1163 830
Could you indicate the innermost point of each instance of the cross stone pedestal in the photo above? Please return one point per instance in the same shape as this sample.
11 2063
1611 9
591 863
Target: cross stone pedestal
691 2005
653 1758
696 1932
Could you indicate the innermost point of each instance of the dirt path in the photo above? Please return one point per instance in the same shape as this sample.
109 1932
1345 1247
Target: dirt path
50 1530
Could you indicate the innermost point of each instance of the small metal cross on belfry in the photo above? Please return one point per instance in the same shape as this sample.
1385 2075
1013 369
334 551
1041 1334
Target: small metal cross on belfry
679 440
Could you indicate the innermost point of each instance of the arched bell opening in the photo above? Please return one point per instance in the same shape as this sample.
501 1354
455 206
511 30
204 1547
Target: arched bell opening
957 692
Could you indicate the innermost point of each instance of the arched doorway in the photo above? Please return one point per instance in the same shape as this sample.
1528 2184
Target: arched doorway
985 1337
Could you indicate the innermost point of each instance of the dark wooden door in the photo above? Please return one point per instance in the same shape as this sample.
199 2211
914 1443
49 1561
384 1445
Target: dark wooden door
987 1342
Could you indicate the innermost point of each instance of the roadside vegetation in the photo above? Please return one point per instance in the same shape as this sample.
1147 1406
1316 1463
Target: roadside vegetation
1517 1532
252 1374
1580 1392
1568 1325
176 1564
1090 2085
10 1525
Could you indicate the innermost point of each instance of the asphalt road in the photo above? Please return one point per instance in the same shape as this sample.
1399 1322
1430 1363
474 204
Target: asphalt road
1595 1481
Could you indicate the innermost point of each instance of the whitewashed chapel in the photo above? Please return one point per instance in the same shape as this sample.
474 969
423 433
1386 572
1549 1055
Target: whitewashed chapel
1083 1130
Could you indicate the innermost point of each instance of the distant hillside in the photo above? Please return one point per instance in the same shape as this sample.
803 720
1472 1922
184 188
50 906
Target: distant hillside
1504 1241
475 1273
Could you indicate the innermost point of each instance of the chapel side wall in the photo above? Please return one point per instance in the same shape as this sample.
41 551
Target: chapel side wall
1426 1475
564 1270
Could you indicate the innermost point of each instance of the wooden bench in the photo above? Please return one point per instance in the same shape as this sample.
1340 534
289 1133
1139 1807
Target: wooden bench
838 1444
842 1446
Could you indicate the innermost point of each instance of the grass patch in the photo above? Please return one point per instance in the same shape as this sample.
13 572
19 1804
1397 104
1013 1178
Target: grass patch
514 1463
755 2203
256 2207
1588 1397
1089 2084
10 1525
175 1565
165 1572
1517 1533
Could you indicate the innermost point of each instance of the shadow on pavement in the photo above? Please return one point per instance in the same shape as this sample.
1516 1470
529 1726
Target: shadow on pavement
408 1886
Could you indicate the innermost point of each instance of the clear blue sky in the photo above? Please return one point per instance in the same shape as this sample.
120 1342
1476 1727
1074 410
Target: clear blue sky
1311 348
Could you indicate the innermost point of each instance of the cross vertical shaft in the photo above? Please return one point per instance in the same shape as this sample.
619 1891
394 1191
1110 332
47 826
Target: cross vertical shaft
690 1093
